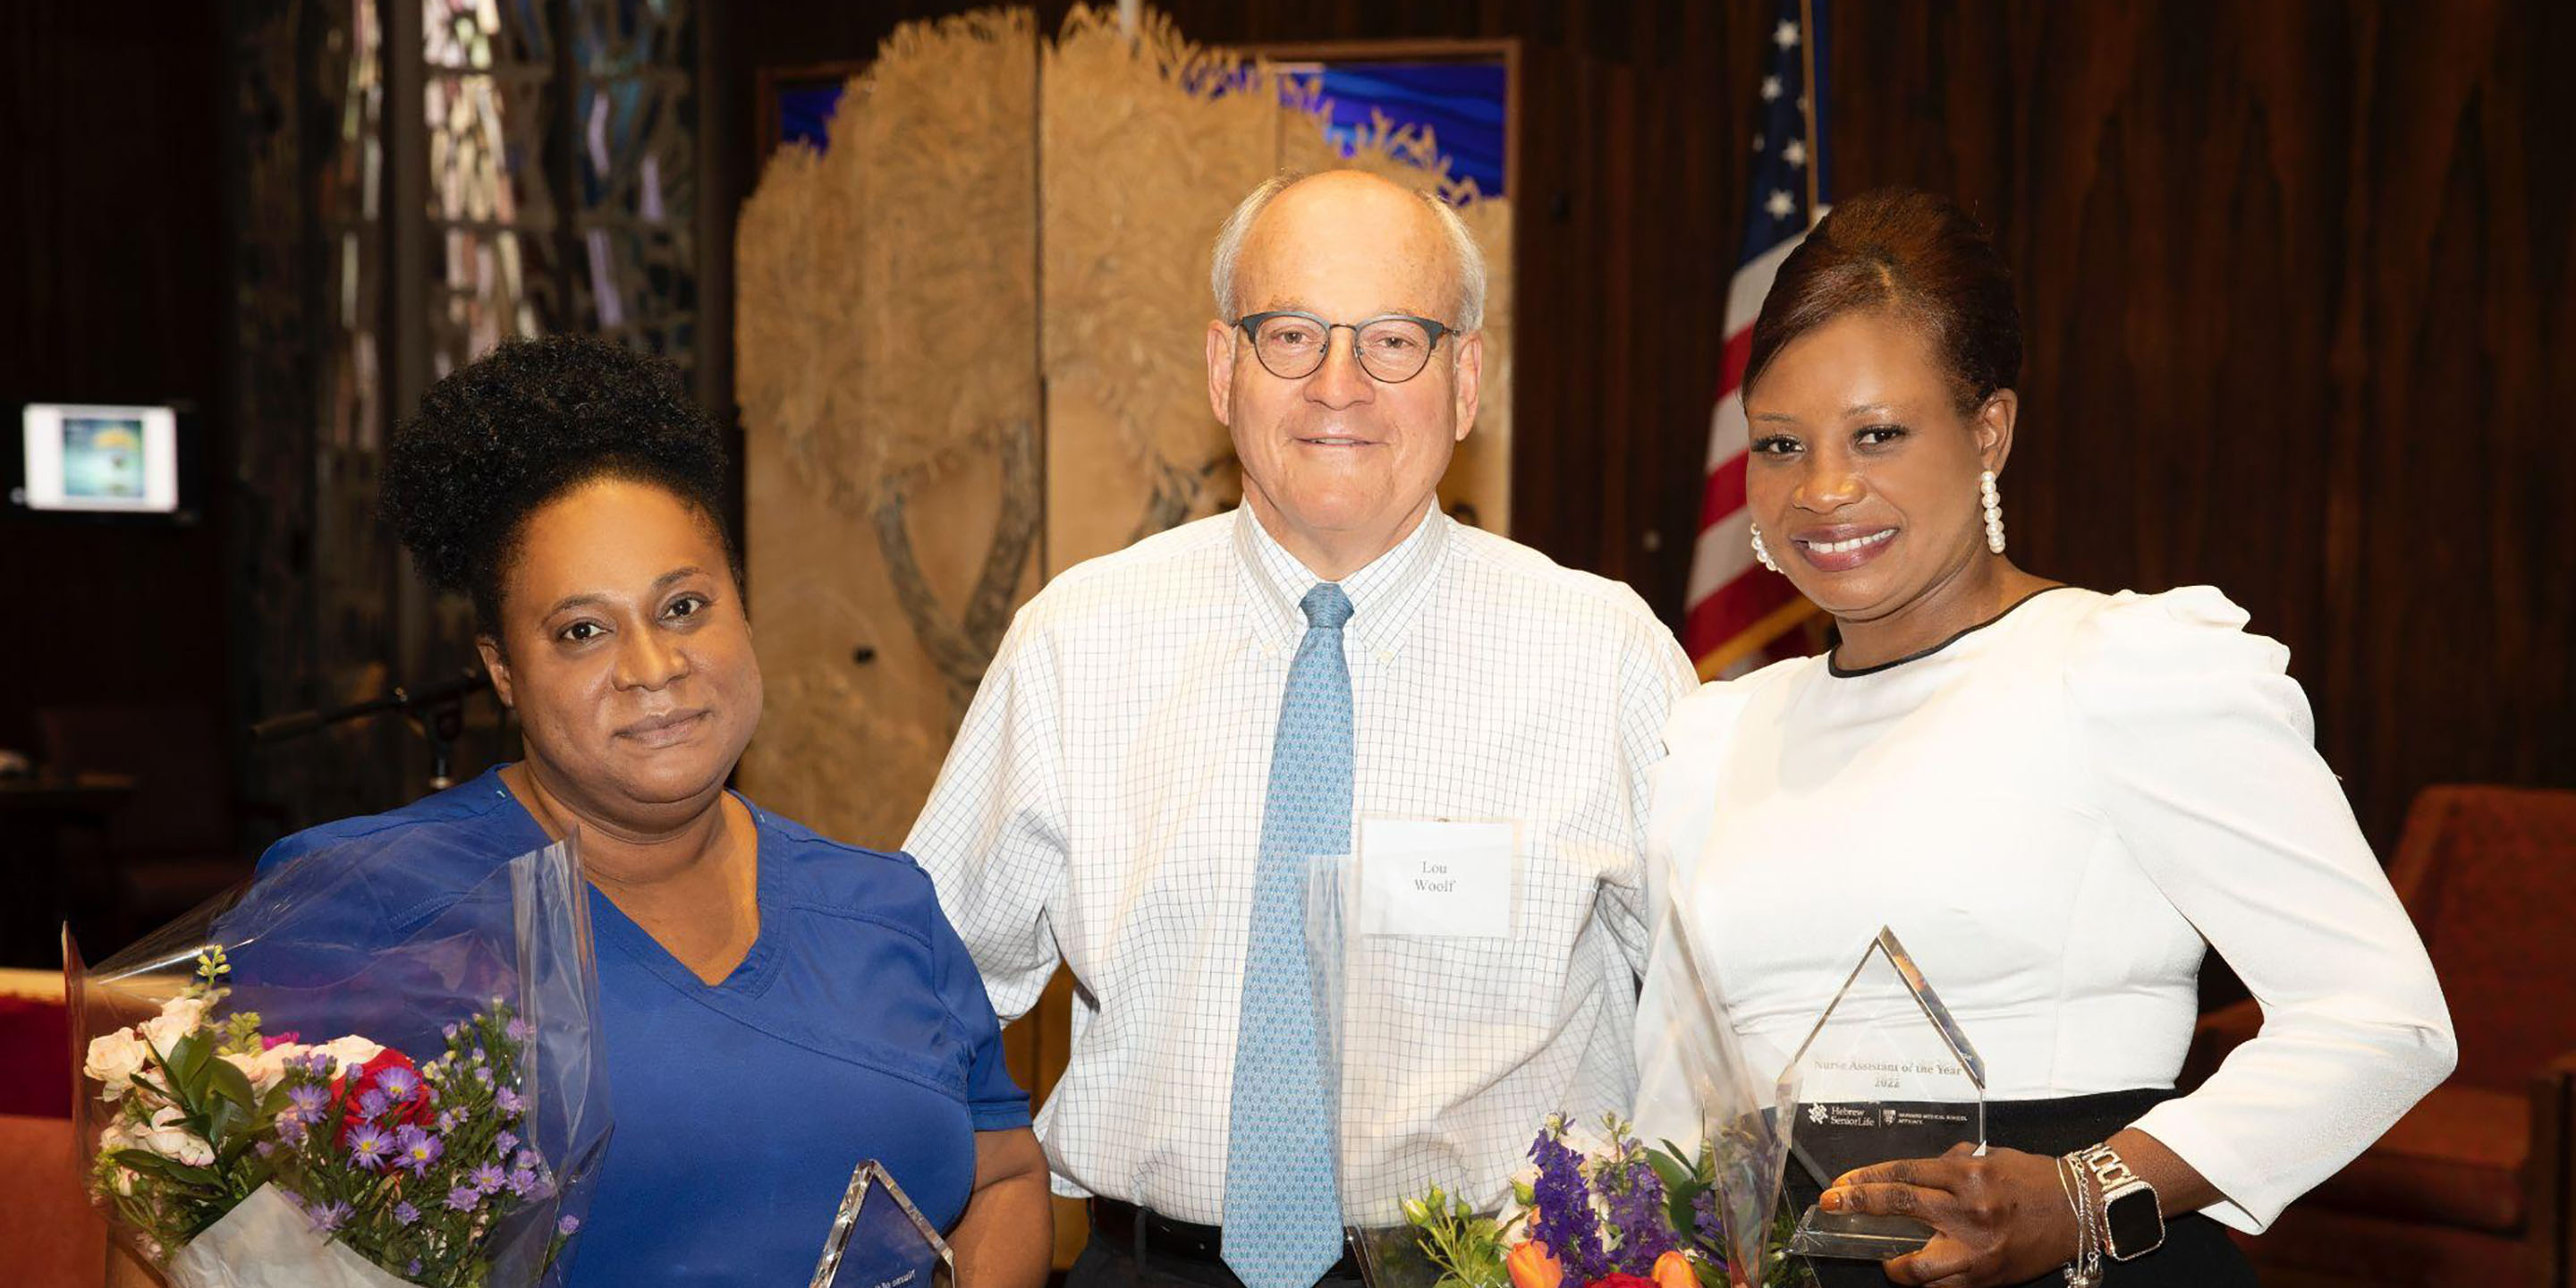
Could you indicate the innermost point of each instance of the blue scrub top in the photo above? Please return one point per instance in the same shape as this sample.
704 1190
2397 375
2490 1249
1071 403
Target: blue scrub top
857 1027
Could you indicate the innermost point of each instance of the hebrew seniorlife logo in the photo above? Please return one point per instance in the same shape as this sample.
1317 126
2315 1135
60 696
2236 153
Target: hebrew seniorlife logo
1817 1114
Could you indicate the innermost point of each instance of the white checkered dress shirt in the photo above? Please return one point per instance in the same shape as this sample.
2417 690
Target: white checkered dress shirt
1102 806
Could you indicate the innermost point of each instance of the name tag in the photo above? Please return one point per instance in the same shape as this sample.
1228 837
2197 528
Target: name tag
1435 879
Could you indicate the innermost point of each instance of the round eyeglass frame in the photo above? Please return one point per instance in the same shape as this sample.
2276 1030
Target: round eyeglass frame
1250 324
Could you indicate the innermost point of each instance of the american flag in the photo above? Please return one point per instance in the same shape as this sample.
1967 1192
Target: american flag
1737 610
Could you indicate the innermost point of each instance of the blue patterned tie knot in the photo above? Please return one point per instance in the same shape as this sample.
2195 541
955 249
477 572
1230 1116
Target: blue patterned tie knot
1283 1220
1326 607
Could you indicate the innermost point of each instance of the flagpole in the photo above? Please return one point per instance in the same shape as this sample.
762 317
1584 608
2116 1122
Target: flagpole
1807 106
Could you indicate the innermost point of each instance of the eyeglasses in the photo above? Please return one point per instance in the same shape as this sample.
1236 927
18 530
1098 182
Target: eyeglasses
1392 348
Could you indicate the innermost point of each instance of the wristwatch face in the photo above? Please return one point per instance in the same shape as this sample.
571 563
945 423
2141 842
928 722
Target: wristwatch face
2133 1222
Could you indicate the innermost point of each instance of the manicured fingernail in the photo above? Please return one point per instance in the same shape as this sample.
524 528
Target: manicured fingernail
1833 1201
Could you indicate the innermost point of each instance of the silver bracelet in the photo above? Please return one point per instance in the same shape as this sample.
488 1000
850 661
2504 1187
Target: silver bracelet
2085 1269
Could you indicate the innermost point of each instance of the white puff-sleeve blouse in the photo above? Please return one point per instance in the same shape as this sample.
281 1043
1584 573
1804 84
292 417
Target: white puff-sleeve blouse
2057 813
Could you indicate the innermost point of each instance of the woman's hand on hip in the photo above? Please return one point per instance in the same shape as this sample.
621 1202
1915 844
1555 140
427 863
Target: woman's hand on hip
2000 1218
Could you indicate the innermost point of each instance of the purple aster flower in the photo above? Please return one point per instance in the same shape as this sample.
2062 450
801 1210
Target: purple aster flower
463 1198
414 1272
509 1101
1563 1219
487 1178
449 1118
398 1082
505 1142
290 1129
373 1103
521 1181
520 1030
327 1217
308 1099
416 1149
265 1148
369 1144
405 1214
483 1075
450 1032
528 1158
568 1225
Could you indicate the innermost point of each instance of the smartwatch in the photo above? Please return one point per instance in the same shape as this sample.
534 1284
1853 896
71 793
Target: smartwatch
2133 1224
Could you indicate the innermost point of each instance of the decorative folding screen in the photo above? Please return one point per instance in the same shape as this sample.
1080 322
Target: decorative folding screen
969 355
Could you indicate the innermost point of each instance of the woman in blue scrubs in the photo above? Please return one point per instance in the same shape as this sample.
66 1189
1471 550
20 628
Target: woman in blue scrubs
777 1005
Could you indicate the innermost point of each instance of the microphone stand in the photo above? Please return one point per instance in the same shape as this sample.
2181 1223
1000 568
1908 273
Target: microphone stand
435 710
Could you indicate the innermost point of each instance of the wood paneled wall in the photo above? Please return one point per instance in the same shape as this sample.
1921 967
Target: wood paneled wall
2294 285
2294 278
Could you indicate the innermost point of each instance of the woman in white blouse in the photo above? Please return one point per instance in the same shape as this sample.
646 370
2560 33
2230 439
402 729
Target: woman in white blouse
2056 798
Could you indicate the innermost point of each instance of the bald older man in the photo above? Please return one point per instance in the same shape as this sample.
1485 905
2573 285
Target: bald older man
1172 735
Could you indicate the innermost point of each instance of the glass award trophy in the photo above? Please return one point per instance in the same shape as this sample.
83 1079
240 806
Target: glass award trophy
879 1239
1885 1075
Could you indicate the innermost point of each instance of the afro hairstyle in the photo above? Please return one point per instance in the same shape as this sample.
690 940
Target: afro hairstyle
497 439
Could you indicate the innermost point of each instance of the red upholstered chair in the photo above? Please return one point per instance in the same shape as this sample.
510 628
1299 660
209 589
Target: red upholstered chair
35 1057
51 1235
2473 1186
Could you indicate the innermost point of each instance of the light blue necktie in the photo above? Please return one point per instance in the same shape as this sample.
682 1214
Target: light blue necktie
1283 1220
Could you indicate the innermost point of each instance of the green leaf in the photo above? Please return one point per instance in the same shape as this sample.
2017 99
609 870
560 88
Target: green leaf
141 1160
221 1115
1702 1161
1677 1209
230 1153
1670 1169
144 1160
187 1064
225 1079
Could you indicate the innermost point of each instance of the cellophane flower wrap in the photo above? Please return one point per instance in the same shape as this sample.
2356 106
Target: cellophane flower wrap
1721 1133
379 1064
1681 1195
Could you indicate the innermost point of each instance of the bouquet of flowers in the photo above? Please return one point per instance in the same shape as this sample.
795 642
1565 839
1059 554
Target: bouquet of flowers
446 1136
1603 1213
1428 1210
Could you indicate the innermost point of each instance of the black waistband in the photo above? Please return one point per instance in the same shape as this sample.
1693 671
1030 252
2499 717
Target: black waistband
2068 1122
1148 1235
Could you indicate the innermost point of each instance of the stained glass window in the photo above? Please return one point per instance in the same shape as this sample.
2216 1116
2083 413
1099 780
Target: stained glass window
492 222
633 94
563 172
352 201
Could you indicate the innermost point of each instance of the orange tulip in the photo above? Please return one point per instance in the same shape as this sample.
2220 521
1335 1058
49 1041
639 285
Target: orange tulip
1533 1266
1673 1270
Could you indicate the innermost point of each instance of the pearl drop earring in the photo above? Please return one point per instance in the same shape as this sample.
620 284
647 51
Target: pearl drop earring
1994 511
1760 551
